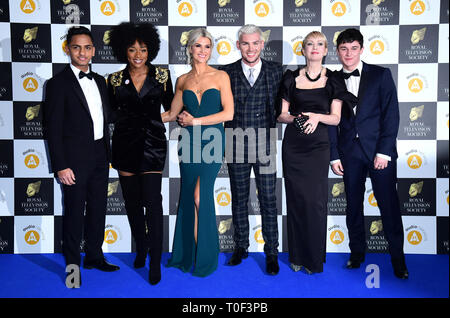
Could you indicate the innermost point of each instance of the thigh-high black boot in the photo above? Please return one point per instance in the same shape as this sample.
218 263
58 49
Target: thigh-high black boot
152 201
131 191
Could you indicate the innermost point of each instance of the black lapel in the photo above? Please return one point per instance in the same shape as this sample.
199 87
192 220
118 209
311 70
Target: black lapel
100 80
77 88
363 81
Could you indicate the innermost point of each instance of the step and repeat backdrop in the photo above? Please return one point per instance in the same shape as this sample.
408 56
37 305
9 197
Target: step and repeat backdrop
411 37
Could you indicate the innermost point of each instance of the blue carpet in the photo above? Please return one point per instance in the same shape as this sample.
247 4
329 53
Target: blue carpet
43 276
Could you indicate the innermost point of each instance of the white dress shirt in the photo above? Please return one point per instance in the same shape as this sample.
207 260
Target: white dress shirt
94 100
257 69
352 84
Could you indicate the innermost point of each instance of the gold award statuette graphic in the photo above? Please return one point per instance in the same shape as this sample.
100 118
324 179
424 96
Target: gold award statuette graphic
32 112
112 188
225 225
184 37
377 2
338 189
299 3
418 35
415 189
106 37
376 227
416 112
223 3
33 188
66 2
146 2
30 34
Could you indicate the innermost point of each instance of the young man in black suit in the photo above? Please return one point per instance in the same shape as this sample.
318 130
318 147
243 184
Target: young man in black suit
365 143
76 102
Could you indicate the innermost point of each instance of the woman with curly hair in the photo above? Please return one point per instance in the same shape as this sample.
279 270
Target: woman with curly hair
139 142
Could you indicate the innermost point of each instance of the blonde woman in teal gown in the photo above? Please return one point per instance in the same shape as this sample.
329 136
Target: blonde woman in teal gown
205 93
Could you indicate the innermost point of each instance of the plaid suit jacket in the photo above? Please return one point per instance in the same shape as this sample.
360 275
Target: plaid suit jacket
273 73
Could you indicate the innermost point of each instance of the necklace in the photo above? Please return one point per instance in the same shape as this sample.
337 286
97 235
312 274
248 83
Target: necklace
313 79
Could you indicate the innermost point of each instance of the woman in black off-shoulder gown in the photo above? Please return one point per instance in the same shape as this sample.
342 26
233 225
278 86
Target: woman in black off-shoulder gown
306 155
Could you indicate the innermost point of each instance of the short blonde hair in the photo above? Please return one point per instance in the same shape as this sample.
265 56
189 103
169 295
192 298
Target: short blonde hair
316 34
194 35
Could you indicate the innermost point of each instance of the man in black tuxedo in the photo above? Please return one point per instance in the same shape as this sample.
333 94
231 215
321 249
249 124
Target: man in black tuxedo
365 143
76 103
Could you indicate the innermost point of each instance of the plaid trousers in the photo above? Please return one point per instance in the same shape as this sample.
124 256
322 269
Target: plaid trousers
240 188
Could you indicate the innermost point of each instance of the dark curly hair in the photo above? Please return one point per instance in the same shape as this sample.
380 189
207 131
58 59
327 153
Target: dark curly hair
124 35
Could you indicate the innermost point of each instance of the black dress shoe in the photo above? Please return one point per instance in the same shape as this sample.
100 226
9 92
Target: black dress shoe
272 266
102 265
154 273
238 254
355 260
400 270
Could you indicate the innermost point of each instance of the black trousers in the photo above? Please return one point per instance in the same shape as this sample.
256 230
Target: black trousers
89 192
384 183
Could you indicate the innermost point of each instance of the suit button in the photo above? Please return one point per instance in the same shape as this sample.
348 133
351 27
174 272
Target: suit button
257 115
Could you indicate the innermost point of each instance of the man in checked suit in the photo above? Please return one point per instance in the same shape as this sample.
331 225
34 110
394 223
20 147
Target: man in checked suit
255 83
365 143
76 103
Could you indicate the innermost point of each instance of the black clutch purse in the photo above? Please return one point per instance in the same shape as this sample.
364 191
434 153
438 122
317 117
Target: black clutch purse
299 122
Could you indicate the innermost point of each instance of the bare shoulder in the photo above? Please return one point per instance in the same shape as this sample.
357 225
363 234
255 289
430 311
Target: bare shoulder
181 80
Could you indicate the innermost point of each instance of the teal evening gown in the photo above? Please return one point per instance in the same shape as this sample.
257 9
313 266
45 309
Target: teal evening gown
201 150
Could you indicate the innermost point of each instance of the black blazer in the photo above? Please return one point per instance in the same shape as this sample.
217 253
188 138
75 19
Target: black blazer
68 123
377 117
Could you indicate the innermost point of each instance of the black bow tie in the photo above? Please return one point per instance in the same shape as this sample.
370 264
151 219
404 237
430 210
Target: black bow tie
354 73
83 74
